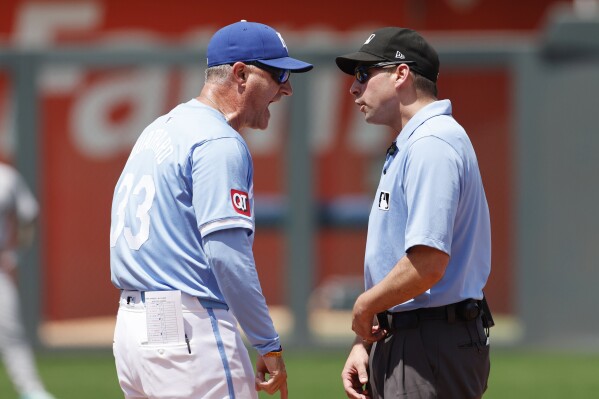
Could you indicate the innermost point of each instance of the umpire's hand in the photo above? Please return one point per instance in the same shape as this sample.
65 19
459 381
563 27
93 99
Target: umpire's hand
355 372
275 367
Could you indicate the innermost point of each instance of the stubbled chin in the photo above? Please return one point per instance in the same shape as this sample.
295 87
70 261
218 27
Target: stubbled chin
264 120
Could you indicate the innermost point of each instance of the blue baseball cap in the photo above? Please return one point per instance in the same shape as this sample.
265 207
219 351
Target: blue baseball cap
251 41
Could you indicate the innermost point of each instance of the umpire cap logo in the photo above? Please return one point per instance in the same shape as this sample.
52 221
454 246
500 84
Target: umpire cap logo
241 202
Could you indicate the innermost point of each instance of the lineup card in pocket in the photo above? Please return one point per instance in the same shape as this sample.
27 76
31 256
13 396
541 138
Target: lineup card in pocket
164 317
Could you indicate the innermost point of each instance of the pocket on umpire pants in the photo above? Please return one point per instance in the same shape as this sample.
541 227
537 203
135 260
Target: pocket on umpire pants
168 370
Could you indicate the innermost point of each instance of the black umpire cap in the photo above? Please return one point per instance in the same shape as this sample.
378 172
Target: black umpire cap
394 44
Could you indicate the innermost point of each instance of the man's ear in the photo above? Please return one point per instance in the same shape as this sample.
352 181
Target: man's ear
241 72
402 73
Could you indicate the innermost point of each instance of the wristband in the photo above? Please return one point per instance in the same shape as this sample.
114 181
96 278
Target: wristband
276 353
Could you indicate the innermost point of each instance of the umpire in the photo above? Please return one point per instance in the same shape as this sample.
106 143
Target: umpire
421 322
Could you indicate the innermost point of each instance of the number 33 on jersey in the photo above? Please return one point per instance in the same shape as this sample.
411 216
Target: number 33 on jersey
135 198
144 191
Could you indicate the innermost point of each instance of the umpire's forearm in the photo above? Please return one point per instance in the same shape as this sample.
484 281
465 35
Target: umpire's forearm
413 274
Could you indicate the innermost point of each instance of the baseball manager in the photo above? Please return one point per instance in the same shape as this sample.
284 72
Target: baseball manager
182 233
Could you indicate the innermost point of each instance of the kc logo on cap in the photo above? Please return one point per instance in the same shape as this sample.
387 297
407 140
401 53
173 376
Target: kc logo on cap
282 41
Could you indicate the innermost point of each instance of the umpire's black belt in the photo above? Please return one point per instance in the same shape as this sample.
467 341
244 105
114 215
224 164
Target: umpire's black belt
466 310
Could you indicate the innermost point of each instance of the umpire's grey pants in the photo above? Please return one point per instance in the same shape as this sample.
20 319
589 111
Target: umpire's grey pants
433 359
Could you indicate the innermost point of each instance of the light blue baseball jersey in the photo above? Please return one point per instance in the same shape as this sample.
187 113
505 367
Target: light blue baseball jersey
189 175
431 193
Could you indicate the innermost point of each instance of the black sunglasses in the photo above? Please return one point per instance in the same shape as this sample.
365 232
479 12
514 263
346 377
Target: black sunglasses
279 75
362 74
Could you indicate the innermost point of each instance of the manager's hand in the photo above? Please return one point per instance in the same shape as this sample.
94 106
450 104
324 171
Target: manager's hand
275 367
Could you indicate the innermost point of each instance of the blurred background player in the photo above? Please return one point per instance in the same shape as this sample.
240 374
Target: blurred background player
18 212
183 221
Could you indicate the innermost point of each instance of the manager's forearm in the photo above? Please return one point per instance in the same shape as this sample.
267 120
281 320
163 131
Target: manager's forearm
232 262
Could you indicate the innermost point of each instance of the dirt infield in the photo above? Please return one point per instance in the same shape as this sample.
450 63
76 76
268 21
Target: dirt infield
328 327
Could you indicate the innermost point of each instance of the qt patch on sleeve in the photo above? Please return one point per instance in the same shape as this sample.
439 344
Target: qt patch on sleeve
241 202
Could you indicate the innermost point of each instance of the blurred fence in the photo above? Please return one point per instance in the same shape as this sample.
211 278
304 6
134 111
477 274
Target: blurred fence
542 196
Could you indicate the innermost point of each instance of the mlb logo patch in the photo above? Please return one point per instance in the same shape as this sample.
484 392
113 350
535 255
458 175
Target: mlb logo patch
241 202
384 197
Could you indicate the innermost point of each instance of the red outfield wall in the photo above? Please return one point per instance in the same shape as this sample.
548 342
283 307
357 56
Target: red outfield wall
90 119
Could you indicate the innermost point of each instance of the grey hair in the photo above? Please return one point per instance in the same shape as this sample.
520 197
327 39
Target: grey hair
217 74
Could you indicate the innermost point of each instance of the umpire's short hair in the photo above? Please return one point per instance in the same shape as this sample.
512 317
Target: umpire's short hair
424 85
217 74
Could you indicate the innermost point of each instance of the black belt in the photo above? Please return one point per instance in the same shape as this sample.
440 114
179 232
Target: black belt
466 310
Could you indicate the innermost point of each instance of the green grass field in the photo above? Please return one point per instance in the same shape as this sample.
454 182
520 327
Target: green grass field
91 375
